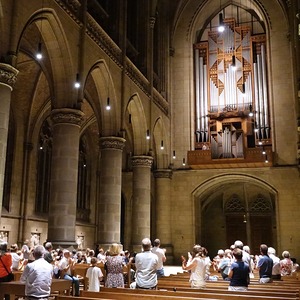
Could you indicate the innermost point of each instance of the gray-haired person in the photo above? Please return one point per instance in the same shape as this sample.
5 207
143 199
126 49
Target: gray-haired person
37 276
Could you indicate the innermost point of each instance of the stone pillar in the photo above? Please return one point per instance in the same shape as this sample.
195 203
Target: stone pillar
141 210
8 77
109 223
163 211
64 174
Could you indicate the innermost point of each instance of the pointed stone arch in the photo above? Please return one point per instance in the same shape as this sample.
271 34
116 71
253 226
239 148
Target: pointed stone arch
99 85
58 65
235 206
160 146
137 126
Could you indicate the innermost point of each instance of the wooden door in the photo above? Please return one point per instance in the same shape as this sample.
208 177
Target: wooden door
235 229
261 232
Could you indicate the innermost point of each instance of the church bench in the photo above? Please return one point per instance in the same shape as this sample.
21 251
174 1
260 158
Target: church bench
124 294
60 297
293 294
292 289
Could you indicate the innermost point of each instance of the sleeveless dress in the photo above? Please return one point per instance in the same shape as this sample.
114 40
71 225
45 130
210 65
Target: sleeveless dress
114 275
197 278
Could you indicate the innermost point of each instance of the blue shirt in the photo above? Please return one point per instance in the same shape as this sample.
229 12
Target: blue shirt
265 265
240 275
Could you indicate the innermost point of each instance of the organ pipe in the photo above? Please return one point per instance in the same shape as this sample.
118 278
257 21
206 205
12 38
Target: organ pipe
197 88
264 79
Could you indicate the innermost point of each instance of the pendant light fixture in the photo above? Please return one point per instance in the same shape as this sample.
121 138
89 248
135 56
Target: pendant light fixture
77 82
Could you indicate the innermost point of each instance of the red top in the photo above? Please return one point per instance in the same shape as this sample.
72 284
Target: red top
7 261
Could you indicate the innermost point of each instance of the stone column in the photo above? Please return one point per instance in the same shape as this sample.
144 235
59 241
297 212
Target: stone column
163 211
109 223
8 77
64 174
141 216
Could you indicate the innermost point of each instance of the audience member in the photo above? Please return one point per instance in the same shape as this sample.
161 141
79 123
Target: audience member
48 252
5 265
264 265
114 267
246 256
37 276
246 249
161 257
197 265
90 254
286 264
94 275
276 263
16 258
146 264
101 256
239 272
26 251
66 266
224 264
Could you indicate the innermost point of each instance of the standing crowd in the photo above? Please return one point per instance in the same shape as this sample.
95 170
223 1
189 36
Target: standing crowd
236 265
40 264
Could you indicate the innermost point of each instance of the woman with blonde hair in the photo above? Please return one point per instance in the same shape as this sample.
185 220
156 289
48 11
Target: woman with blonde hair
114 267
286 264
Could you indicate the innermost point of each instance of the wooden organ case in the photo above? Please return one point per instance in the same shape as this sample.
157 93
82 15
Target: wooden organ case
231 100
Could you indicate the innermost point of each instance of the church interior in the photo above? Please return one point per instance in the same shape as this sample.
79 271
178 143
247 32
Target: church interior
126 119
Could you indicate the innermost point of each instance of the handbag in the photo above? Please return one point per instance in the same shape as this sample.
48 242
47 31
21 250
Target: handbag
9 277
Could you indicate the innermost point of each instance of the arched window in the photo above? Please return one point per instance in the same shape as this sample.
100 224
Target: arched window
43 169
234 205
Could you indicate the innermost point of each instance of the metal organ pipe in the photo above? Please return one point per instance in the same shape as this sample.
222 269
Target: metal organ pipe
260 96
197 88
257 111
265 93
205 100
201 97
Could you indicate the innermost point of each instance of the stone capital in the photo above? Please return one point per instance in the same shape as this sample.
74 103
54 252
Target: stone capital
8 75
67 115
163 173
142 161
112 142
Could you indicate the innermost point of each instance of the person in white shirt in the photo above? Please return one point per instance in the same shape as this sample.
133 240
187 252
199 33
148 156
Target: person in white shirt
161 257
146 264
37 276
276 274
94 275
66 266
16 258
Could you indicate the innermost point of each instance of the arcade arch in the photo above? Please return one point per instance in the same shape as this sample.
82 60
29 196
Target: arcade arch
235 207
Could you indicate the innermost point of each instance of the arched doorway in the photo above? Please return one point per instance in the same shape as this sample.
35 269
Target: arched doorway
235 207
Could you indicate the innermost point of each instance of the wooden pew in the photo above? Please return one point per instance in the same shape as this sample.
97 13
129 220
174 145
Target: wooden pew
293 294
124 294
14 288
80 272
